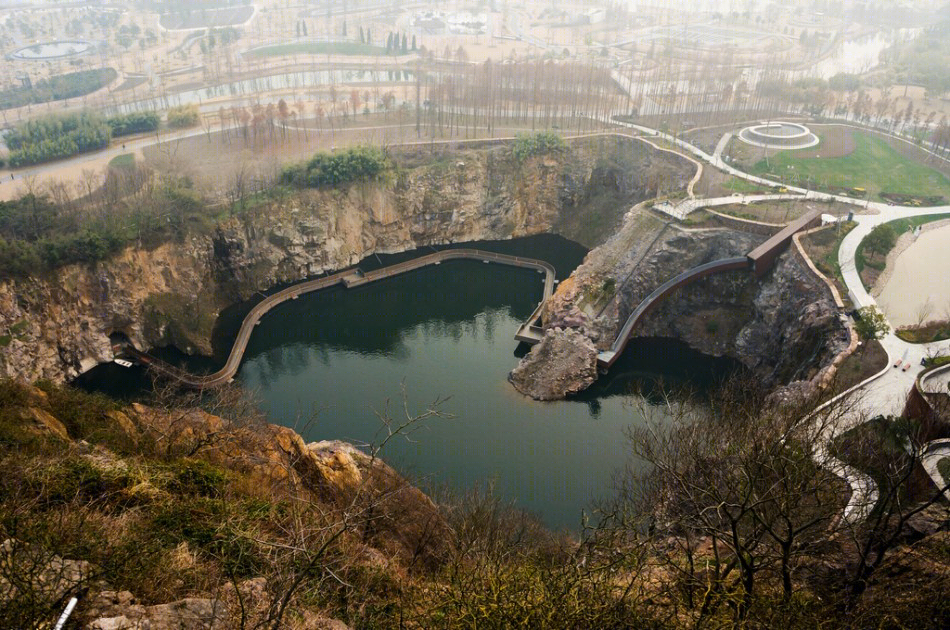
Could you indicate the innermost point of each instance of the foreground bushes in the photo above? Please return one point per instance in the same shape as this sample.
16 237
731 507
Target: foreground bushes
334 169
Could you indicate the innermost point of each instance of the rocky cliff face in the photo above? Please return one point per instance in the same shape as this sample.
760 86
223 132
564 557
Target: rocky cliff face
153 454
782 327
56 328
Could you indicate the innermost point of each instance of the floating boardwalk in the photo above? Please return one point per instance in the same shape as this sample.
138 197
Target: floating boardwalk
349 278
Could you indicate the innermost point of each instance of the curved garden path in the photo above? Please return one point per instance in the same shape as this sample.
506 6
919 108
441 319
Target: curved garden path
883 393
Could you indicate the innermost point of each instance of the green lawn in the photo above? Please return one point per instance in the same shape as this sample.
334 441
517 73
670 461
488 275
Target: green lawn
319 48
126 160
873 165
744 186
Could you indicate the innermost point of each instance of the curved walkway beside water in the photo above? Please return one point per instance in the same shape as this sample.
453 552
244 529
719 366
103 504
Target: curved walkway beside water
349 278
608 357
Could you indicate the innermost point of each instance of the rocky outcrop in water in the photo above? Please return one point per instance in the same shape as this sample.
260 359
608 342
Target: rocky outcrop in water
565 362
55 328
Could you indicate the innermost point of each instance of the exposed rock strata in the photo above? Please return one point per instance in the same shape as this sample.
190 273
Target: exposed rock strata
60 327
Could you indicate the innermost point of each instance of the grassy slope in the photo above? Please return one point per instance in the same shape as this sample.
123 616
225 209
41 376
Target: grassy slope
873 165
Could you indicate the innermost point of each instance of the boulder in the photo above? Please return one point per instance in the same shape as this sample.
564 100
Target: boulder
565 362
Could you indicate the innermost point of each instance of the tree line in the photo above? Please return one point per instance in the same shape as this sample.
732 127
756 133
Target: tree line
58 136
57 87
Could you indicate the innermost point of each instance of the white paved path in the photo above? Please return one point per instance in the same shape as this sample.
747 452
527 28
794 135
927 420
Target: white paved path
882 394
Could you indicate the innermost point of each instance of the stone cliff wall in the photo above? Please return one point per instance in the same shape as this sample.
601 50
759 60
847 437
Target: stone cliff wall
58 327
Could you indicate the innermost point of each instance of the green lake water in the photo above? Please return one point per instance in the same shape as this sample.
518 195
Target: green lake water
328 363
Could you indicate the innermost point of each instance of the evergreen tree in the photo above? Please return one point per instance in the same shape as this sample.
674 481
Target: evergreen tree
405 44
362 36
369 36
414 42
304 29
344 28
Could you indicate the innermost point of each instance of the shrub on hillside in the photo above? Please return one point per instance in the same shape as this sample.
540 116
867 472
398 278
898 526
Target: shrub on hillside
537 144
333 169
183 116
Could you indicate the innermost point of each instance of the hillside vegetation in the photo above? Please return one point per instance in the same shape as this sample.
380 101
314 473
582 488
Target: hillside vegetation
195 509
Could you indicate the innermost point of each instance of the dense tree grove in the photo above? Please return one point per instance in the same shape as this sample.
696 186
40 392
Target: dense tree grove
136 122
57 136
37 234
330 169
63 135
58 87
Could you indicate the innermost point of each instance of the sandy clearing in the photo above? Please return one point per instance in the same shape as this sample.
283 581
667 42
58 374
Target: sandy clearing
921 276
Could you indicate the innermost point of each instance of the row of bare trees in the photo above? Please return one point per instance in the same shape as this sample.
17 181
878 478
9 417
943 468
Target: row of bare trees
739 508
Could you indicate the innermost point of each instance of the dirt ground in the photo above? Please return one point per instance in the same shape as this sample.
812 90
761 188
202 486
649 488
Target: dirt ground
215 160
917 290
782 212
866 361
836 141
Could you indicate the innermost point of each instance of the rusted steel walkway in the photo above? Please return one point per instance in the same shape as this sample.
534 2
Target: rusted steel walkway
758 261
349 278
607 358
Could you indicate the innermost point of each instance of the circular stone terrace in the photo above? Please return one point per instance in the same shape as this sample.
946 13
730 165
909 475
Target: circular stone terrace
52 50
779 135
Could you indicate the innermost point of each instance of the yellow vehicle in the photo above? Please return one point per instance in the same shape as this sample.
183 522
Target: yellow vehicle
859 190
783 189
